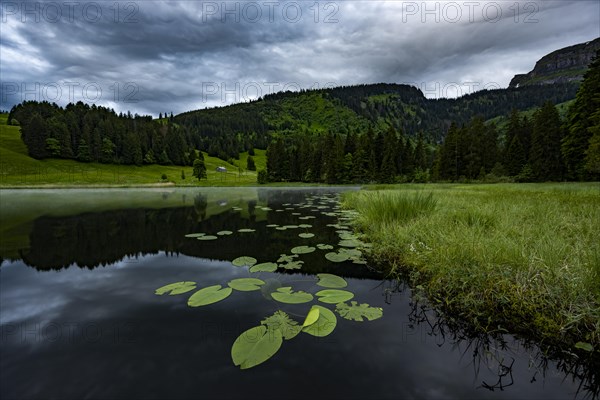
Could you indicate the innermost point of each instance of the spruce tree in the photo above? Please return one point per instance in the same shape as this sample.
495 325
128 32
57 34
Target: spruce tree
545 158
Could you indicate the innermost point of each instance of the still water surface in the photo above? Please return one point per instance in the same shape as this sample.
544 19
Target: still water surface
80 318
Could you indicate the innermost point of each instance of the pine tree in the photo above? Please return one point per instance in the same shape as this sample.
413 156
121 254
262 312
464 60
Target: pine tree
250 166
545 158
199 169
576 142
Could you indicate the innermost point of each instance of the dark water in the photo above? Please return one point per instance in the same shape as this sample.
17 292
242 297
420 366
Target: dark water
80 319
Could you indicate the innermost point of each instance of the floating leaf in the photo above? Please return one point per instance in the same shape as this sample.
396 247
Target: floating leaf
345 235
244 261
322 246
352 253
266 208
255 346
349 243
208 295
306 235
303 250
290 226
305 226
296 213
264 267
246 284
331 281
236 208
272 226
281 228
337 257
356 312
292 265
334 296
281 321
194 235
311 317
584 346
324 325
224 233
287 258
307 217
208 237
246 230
286 295
361 262
176 288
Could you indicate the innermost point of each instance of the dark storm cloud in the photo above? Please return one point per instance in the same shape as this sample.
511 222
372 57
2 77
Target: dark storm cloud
155 56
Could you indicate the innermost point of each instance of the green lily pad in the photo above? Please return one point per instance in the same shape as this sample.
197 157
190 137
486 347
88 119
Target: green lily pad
286 295
296 213
360 262
303 250
207 237
584 346
305 226
272 226
208 295
281 228
246 284
292 265
264 267
356 312
281 321
194 235
347 235
246 230
224 233
349 243
290 226
324 325
287 258
311 317
331 281
334 296
255 346
176 288
307 217
337 257
352 253
266 208
236 208
322 246
306 235
244 261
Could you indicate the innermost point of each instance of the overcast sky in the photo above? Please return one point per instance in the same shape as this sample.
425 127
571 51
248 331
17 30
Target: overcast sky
174 56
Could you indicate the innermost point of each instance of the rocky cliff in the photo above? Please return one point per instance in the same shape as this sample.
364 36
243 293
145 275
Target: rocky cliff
561 66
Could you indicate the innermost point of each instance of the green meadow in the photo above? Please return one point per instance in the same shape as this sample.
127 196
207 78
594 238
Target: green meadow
17 169
518 258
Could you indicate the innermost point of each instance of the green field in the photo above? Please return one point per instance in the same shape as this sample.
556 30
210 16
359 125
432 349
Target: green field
17 169
518 258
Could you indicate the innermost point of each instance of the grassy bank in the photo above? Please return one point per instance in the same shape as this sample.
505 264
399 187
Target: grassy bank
522 258
17 169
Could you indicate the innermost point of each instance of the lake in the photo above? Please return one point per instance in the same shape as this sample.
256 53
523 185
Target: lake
80 318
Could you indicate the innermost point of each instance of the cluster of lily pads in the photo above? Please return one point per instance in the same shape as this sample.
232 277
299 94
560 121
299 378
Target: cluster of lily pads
256 345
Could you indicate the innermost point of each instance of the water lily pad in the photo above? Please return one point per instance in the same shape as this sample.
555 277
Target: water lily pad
176 288
281 228
281 321
303 249
224 233
306 235
292 265
296 213
244 261
287 258
311 317
350 243
347 236
356 312
246 230
324 325
246 284
266 208
352 253
194 235
322 246
272 226
209 295
307 217
360 262
207 237
337 257
290 226
255 346
305 226
264 267
286 295
331 281
334 296
236 208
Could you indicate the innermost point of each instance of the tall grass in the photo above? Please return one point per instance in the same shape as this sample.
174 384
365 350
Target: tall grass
520 258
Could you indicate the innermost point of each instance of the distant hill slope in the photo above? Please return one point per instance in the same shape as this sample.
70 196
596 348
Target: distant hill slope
355 108
561 66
